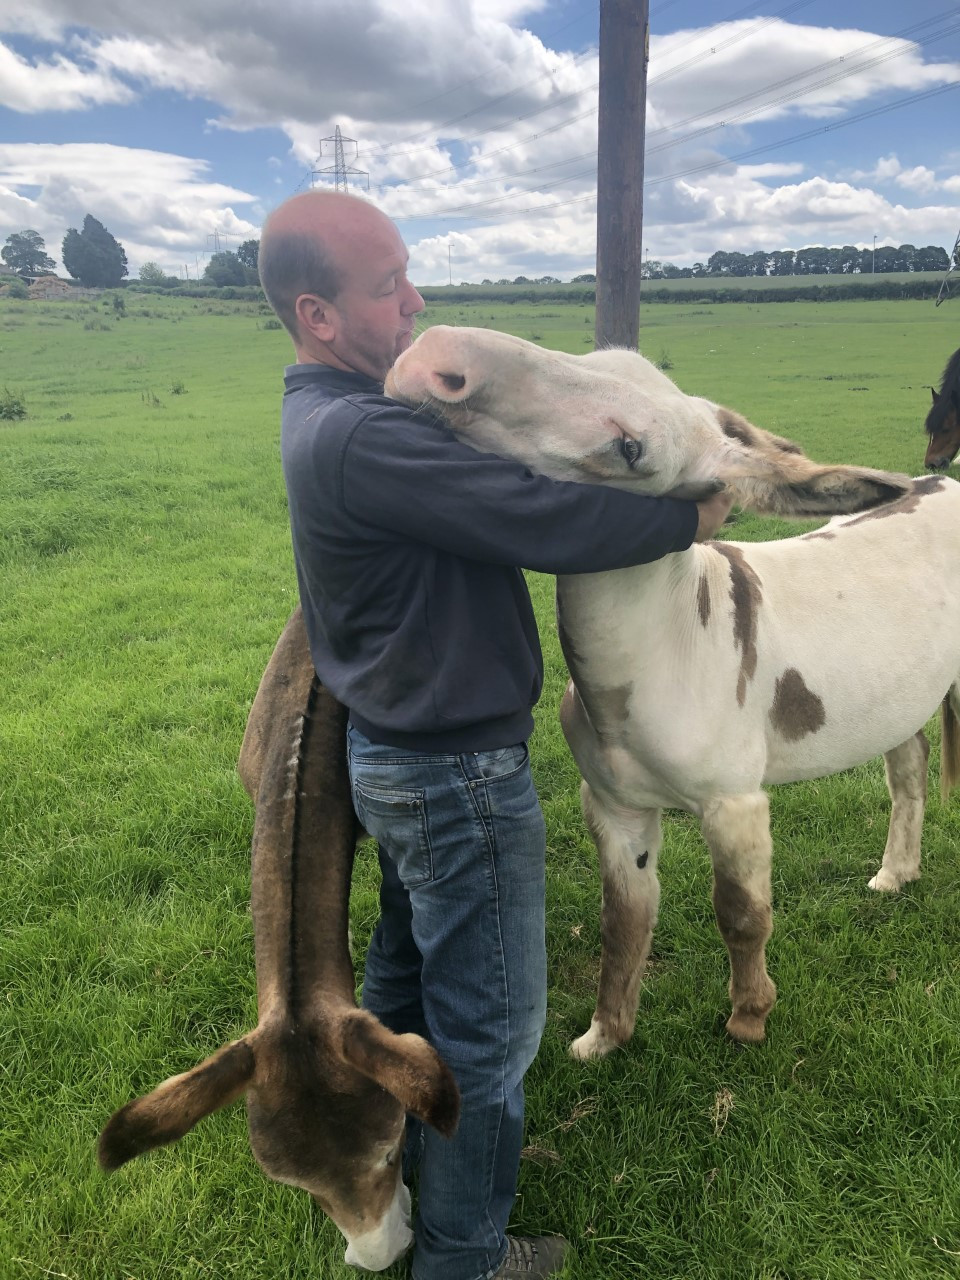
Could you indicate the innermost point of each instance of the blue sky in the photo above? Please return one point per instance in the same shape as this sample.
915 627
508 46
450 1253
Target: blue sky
181 126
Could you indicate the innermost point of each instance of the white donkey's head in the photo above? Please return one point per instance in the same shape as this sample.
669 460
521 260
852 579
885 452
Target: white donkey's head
611 417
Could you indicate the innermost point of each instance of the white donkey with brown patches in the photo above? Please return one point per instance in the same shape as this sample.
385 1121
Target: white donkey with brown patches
327 1085
701 678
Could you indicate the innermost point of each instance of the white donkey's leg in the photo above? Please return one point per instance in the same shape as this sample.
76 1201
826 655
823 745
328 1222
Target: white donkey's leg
628 844
737 829
906 768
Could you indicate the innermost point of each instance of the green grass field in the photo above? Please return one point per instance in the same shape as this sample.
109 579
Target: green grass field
145 574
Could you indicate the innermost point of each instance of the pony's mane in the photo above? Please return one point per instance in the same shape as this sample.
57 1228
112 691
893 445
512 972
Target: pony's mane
949 384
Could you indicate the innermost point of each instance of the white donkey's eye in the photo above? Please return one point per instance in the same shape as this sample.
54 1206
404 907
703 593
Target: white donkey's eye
631 449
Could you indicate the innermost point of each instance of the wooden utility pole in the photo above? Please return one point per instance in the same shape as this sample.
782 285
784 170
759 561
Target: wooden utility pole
624 36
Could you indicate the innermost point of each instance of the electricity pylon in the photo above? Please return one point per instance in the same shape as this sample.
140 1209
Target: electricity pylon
339 169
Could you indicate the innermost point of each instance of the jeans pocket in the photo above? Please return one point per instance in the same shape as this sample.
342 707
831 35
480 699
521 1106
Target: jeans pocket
397 819
503 763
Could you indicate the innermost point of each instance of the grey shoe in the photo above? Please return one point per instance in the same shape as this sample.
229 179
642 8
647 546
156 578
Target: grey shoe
532 1257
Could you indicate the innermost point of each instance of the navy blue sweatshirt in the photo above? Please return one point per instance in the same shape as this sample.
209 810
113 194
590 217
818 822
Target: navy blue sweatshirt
409 547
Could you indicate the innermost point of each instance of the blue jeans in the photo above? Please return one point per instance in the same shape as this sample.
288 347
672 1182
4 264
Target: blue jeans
459 956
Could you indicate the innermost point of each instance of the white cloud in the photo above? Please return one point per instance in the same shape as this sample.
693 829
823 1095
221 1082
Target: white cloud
563 245
457 108
56 85
919 178
157 204
764 69
375 59
885 170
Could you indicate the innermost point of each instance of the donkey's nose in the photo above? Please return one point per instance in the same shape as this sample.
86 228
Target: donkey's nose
453 383
420 375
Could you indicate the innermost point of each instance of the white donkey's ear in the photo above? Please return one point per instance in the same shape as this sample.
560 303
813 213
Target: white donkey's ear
828 491
773 476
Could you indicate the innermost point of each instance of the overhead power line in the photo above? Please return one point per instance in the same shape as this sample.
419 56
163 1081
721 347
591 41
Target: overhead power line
586 173
391 152
812 133
463 212
737 38
843 61
848 67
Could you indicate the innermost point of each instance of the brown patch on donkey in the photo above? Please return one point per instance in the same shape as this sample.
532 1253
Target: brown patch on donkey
327 1085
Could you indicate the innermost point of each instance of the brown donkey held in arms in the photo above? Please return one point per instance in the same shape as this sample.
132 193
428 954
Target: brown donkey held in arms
327 1085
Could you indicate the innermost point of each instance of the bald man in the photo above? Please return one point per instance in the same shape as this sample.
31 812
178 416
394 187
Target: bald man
409 550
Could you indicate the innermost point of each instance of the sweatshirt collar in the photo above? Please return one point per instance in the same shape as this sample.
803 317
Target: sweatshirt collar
343 381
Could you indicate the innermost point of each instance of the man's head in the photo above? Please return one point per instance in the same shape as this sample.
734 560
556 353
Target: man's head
334 269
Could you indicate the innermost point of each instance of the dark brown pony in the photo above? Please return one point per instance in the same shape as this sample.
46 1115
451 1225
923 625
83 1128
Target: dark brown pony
327 1085
943 420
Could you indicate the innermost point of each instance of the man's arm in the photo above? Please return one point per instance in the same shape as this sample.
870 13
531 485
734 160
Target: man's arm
401 473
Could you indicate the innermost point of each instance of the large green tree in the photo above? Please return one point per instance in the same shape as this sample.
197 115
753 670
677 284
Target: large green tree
931 258
249 254
152 273
25 253
224 268
93 256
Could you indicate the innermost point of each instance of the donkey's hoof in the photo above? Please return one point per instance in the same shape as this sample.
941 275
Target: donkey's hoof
592 1044
886 881
747 1028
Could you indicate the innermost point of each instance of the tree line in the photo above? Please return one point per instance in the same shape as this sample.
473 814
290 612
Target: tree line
91 255
814 260
97 260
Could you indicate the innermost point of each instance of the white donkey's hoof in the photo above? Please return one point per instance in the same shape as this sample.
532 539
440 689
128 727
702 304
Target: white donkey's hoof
592 1044
886 881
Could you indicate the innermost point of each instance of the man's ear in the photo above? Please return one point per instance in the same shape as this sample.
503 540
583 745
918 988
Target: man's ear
316 316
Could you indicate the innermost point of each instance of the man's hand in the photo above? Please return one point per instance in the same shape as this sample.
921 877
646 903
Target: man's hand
713 512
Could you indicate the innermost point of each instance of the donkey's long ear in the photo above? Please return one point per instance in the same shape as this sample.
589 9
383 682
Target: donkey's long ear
773 476
175 1106
810 490
406 1066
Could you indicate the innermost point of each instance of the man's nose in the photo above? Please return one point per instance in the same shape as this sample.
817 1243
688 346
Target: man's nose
413 302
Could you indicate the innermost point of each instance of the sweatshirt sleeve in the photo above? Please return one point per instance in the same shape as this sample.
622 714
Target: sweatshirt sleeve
408 476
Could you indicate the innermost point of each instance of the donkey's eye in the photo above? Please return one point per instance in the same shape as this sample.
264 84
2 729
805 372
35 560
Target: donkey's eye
631 449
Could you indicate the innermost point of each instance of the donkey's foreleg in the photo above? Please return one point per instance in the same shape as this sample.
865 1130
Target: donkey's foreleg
737 829
628 844
906 768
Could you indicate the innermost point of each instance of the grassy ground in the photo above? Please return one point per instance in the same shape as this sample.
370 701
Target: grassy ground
144 577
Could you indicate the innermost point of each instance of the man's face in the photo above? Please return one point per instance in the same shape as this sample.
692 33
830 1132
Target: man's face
376 305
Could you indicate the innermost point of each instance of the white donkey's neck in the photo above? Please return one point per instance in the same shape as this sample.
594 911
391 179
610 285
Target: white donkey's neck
593 602
616 622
